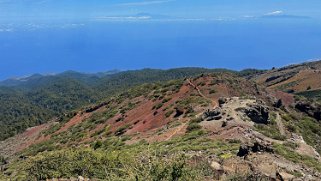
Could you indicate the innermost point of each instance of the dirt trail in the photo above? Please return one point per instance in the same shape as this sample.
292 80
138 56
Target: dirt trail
177 130
214 103
280 124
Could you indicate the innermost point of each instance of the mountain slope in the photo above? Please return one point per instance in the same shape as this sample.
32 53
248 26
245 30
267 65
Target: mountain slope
38 99
207 127
293 78
181 124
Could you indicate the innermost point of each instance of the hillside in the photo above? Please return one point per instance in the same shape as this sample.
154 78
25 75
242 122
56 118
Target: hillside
301 79
37 99
195 126
181 124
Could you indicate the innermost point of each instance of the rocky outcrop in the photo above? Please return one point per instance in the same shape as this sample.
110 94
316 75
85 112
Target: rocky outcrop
278 103
283 176
178 112
246 149
222 101
313 110
258 113
211 115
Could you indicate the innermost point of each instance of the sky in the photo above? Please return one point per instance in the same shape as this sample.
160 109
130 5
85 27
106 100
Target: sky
178 8
49 36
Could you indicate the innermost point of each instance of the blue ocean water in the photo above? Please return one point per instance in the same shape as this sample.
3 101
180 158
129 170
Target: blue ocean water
98 46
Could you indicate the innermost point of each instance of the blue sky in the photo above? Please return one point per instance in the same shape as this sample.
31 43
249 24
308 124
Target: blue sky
49 36
179 8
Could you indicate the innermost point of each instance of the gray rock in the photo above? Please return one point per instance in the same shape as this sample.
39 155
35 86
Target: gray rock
211 115
246 149
285 176
80 178
313 110
258 113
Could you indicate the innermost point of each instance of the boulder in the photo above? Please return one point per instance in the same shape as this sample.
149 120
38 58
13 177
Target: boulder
222 101
211 115
224 124
243 150
278 103
246 149
178 112
216 166
258 113
312 110
285 176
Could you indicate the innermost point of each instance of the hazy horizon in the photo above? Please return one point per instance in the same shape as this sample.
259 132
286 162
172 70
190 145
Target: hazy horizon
46 36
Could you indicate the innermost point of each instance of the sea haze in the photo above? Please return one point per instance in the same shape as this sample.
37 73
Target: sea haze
91 46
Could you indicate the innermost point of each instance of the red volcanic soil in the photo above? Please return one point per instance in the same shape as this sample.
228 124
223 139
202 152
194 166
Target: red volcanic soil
74 121
287 99
80 117
31 135
144 118
22 141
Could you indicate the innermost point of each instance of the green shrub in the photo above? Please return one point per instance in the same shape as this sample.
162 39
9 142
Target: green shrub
166 100
212 91
169 113
121 130
3 160
157 106
296 157
271 131
196 120
97 145
193 127
109 166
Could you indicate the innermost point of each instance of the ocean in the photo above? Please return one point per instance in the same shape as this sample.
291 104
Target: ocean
91 46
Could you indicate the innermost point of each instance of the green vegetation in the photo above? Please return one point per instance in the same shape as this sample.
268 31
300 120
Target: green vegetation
287 86
121 130
250 72
309 128
190 102
110 166
38 99
212 91
3 160
270 130
169 113
111 159
291 155
193 127
157 106
311 94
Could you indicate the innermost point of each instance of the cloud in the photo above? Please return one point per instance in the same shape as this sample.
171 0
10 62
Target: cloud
6 30
122 18
144 3
274 13
277 15
281 15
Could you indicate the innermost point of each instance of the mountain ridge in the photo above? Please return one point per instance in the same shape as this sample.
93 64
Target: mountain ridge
220 125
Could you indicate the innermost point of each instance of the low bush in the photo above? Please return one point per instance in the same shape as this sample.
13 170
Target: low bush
193 127
291 155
